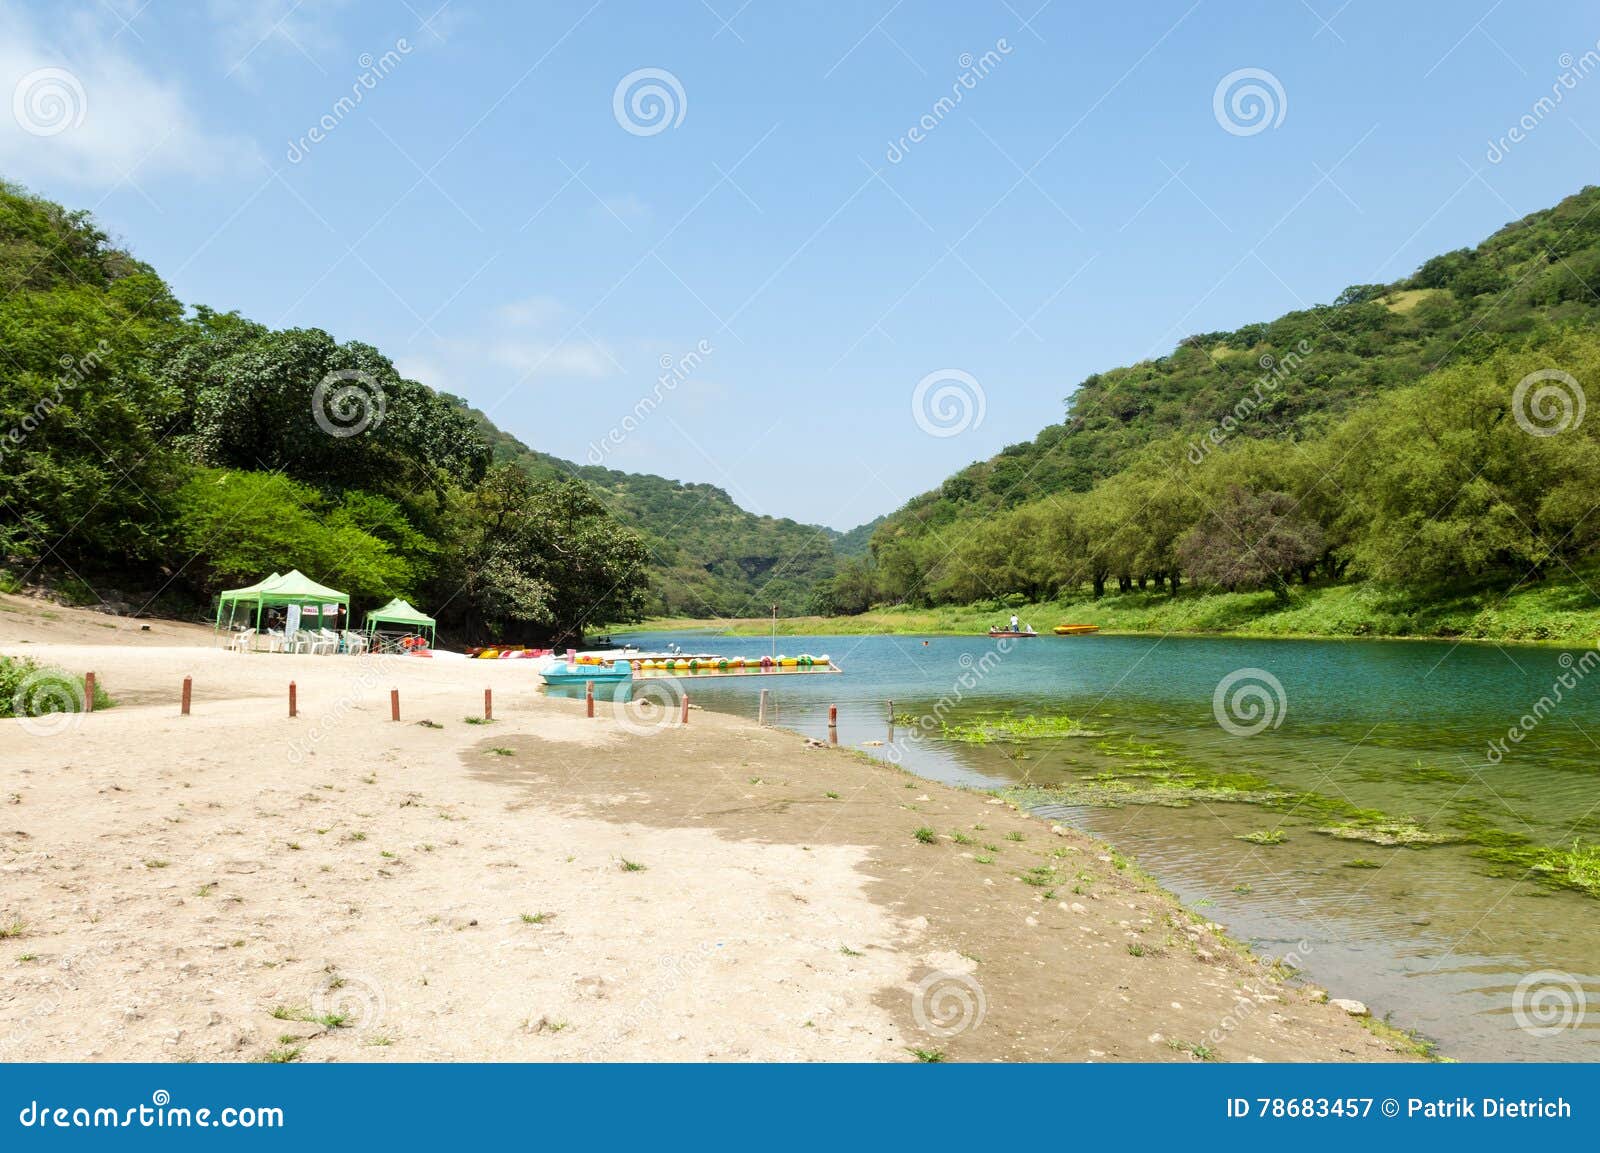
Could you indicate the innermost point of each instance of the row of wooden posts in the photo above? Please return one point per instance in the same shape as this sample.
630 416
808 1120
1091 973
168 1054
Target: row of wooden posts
488 704
394 700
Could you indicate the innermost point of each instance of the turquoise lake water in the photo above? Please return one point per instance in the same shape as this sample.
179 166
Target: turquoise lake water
1435 938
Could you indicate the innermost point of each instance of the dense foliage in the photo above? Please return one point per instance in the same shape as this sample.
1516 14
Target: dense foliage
212 450
710 558
1422 435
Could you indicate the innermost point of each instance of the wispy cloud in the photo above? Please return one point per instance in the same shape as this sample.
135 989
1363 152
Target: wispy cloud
83 111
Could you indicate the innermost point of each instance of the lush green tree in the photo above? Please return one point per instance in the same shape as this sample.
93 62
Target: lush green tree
541 560
1250 540
337 415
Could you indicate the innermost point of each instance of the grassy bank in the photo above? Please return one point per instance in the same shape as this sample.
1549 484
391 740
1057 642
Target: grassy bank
1564 611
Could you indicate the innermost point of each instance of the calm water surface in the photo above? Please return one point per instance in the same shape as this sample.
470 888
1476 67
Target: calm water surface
1433 938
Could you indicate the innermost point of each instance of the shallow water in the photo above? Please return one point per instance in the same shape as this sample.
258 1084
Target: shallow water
1433 938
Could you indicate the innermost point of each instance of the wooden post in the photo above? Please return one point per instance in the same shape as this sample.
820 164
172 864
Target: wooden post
891 722
488 704
293 711
685 717
394 704
588 697
762 716
88 692
833 724
188 692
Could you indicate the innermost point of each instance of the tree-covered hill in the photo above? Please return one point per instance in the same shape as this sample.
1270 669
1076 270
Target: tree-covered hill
1306 447
170 455
149 447
709 557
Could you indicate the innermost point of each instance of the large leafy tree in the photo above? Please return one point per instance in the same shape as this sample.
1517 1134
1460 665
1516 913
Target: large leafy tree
541 560
337 415
1250 540
83 418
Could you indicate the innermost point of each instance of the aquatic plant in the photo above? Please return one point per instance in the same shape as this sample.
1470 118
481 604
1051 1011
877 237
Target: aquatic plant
1264 837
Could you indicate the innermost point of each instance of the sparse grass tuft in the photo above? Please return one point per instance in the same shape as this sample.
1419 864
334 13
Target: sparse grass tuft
502 752
928 1056
848 951
1198 1051
156 863
926 835
284 1054
632 866
536 918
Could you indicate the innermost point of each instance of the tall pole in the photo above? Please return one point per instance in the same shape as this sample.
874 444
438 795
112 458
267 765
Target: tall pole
774 630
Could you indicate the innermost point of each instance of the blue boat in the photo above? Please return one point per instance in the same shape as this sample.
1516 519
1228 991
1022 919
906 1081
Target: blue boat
560 672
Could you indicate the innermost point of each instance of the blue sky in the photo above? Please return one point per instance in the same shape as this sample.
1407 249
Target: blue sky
488 217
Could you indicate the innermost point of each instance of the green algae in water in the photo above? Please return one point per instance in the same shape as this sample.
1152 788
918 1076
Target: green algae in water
1009 727
1390 833
1155 774
1264 837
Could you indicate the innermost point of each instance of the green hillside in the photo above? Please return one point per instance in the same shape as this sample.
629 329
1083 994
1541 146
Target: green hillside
709 557
166 452
150 456
1374 438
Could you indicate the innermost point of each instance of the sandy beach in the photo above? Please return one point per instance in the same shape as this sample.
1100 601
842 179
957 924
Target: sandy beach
240 885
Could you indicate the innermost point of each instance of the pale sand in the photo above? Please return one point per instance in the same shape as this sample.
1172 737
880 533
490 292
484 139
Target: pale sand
177 880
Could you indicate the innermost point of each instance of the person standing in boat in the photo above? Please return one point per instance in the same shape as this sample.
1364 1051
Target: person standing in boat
1013 622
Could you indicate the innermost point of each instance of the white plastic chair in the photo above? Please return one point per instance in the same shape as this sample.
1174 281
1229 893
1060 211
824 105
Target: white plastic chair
325 641
242 641
354 643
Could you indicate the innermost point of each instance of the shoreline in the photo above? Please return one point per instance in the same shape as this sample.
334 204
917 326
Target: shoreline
748 628
551 887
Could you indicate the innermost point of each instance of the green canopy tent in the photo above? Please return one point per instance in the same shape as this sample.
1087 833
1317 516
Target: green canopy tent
399 612
292 588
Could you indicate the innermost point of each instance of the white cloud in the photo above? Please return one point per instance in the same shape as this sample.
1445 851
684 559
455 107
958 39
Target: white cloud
543 358
79 109
533 312
251 31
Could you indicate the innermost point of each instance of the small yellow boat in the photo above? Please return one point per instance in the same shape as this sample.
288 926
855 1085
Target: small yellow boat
1074 630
